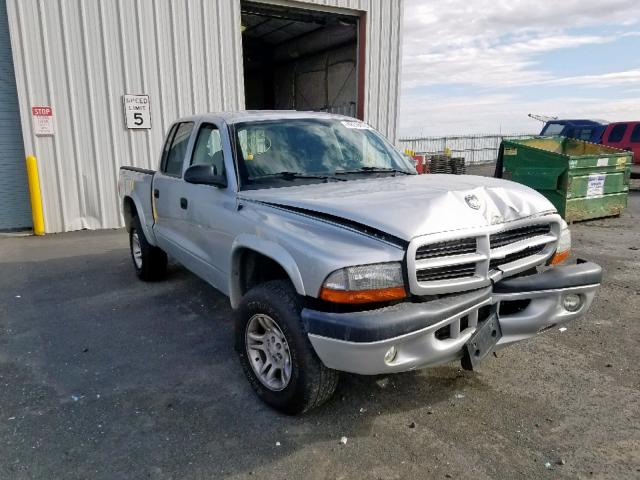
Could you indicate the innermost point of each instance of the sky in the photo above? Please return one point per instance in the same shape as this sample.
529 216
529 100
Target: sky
480 66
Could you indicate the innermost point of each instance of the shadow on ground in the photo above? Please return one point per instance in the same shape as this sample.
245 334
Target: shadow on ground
104 376
103 369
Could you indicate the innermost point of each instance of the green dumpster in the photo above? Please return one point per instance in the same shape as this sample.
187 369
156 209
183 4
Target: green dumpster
583 180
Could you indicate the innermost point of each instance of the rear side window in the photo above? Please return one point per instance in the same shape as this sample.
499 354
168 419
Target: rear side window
635 134
167 147
208 149
584 133
177 151
617 133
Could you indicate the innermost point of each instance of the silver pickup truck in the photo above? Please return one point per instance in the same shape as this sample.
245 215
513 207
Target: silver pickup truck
337 256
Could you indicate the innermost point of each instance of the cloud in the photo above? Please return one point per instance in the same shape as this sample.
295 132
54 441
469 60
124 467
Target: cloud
506 113
458 22
484 54
508 63
627 77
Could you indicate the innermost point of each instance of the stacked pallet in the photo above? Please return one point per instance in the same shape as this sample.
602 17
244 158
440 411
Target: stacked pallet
447 164
458 167
440 164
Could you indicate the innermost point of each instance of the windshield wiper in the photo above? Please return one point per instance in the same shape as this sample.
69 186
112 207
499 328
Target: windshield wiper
293 175
372 170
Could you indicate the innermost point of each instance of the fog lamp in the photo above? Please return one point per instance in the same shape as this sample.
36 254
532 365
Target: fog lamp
572 302
391 355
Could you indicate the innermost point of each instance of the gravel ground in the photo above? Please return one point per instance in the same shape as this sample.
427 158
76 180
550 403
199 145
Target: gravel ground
105 377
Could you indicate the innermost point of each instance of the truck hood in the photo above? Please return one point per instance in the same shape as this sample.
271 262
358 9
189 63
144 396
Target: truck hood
411 205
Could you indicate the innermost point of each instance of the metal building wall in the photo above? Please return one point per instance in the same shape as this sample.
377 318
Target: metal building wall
80 57
15 210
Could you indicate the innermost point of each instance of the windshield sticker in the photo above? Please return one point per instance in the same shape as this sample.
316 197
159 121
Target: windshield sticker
356 125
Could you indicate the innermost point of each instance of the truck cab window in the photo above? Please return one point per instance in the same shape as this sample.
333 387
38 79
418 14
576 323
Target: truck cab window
617 132
208 149
167 147
635 134
553 129
178 150
584 134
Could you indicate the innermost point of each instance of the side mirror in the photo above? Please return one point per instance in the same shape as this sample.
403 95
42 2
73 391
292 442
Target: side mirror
204 175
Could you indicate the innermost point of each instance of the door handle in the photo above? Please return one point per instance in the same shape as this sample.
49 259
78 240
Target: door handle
156 193
184 203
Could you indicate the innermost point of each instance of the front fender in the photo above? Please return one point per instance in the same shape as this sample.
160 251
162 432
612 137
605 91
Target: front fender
265 247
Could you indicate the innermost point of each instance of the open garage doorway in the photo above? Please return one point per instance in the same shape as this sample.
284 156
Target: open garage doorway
300 59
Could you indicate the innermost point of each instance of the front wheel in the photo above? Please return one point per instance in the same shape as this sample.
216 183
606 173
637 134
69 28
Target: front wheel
276 354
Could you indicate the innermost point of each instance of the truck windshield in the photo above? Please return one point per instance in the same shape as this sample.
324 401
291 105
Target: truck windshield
281 152
552 129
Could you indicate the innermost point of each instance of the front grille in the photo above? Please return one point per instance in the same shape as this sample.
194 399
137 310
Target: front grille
512 257
456 264
446 249
514 235
445 273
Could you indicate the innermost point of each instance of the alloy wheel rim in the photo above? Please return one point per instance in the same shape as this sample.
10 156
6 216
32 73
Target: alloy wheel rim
136 250
268 352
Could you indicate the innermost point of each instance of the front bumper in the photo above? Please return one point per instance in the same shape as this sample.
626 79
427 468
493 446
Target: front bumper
357 342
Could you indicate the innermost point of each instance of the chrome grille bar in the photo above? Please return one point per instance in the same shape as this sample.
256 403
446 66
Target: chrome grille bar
444 249
442 273
516 234
512 257
457 261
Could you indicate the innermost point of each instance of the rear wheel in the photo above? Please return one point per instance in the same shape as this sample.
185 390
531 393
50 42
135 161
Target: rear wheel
275 352
149 262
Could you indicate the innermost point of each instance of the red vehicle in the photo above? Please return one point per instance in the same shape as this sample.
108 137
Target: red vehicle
624 135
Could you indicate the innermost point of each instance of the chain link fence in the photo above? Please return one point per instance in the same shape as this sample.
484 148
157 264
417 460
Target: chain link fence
475 149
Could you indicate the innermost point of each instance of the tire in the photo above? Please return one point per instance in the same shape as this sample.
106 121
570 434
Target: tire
149 262
309 382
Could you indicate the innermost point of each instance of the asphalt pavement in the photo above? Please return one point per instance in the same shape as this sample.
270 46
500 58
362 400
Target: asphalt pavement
106 377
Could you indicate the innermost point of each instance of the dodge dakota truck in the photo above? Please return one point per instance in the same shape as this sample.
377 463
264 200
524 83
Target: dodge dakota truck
336 256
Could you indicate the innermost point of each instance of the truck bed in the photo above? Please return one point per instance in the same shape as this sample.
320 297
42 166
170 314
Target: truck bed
139 170
137 183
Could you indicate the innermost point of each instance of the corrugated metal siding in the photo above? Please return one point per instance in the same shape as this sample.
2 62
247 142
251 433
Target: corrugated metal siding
81 57
15 211
383 60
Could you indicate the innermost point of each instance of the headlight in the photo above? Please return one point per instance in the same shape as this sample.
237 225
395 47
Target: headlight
564 245
380 282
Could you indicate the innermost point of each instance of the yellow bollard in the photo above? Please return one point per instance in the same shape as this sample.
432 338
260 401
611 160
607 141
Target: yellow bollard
34 192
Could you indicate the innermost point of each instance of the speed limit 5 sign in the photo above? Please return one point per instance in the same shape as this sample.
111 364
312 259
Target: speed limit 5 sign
136 111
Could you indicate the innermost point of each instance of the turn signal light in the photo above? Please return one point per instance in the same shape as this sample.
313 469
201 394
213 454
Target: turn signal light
559 257
564 245
362 296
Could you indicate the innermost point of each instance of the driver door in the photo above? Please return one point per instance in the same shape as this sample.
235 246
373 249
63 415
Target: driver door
211 211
